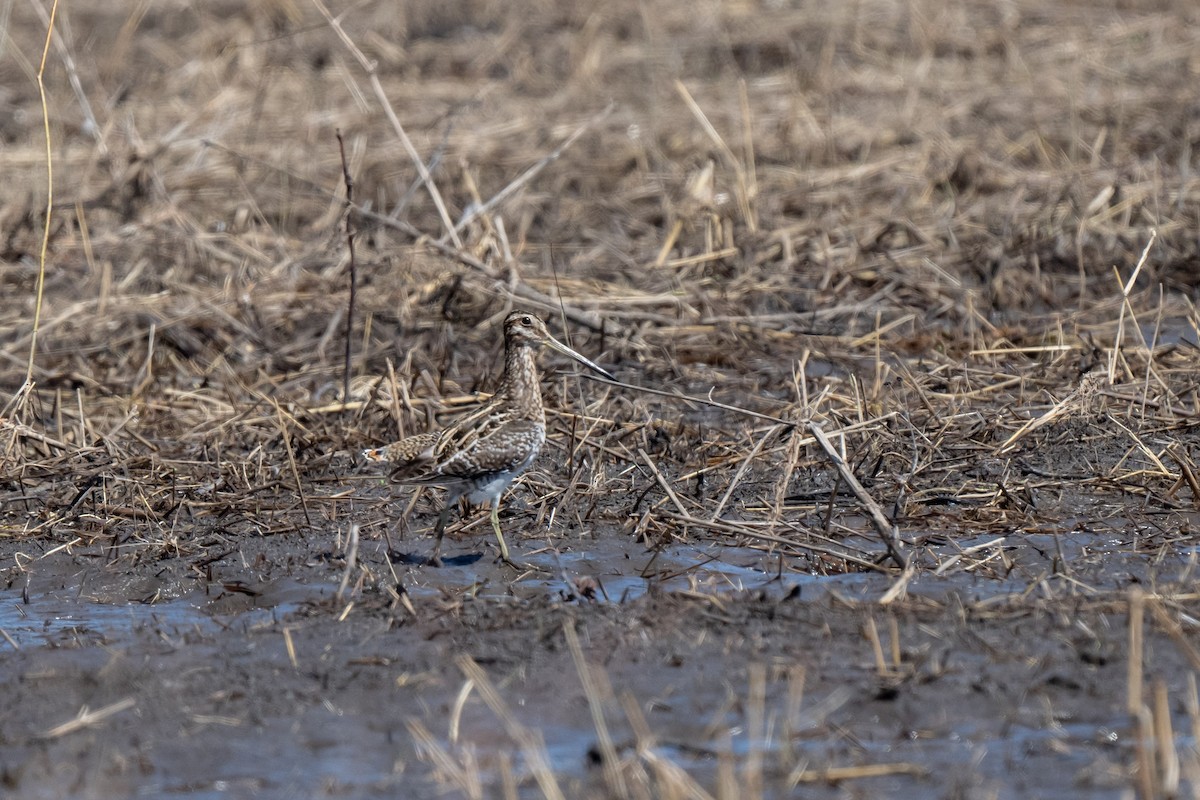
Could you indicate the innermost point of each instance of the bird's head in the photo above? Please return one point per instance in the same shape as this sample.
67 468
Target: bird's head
522 329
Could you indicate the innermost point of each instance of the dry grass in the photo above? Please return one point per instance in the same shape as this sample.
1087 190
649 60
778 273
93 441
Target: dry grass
939 268
958 240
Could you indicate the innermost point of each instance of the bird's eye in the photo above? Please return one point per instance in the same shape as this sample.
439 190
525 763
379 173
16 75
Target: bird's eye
526 321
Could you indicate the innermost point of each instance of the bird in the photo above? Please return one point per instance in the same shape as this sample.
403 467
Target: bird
481 454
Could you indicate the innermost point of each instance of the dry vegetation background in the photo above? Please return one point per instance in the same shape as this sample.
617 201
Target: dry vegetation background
932 208
914 222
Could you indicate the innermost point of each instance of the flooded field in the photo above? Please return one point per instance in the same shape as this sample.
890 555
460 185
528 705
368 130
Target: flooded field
895 493
707 664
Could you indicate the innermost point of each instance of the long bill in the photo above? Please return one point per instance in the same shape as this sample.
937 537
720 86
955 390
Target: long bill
555 344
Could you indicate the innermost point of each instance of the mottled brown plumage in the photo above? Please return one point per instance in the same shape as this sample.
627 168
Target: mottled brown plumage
485 451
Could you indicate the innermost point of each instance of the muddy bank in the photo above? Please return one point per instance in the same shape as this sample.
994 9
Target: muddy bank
273 688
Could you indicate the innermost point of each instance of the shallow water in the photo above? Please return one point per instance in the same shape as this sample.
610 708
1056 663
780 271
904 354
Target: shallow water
271 688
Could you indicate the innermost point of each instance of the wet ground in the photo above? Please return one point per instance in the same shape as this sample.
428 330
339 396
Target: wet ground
163 678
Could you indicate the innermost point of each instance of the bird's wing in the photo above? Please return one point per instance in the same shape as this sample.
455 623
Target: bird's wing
496 446
486 440
468 429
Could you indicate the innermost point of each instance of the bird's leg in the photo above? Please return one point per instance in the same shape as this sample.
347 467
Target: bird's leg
443 517
504 557
500 536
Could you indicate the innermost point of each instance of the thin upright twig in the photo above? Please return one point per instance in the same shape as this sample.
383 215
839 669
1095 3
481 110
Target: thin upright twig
350 231
287 444
351 562
1126 288
41 276
90 125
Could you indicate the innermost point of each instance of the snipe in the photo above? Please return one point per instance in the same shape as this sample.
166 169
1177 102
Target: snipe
485 451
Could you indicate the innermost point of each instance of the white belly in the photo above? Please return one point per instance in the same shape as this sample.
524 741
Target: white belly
486 489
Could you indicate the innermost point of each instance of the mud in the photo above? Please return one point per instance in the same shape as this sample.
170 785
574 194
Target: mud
247 681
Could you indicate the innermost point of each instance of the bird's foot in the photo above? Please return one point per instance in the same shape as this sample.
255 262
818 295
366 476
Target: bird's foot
520 566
